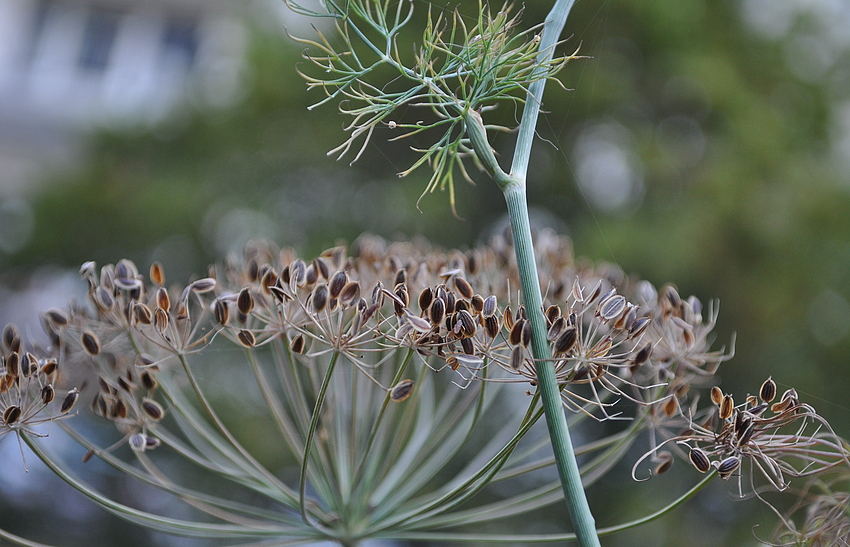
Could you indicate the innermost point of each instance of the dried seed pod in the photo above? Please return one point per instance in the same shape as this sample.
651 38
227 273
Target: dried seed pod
157 274
477 303
508 318
515 336
118 409
700 460
151 442
321 268
611 307
138 442
716 395
103 299
12 414
553 313
745 433
492 326
665 463
142 313
152 409
310 276
350 294
556 329
727 406
638 326
246 338
221 311
11 338
401 391
437 312
245 301
526 332
461 305
768 390
467 323
642 356
517 357
400 276
203 285
468 346
297 273
269 280
566 341
298 344
29 364
727 466
319 298
90 343
49 367
57 317
160 320
426 297
489 307
162 299
463 287
419 324
69 401
148 380
671 407
450 301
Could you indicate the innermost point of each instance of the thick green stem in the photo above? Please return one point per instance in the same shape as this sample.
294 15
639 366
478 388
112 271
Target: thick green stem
565 459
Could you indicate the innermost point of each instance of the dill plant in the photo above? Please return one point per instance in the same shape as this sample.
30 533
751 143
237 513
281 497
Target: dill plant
380 366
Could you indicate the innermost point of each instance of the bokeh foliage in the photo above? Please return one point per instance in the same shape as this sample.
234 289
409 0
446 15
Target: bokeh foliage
739 196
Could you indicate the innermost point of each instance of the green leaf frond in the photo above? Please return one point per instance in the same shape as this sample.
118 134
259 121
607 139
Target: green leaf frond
461 65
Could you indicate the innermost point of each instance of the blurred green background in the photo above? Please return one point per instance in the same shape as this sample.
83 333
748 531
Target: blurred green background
704 143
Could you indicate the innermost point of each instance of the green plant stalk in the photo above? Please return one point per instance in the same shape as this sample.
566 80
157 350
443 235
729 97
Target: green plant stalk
513 187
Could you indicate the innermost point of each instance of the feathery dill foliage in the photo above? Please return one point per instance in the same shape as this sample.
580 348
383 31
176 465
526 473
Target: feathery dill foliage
382 372
460 67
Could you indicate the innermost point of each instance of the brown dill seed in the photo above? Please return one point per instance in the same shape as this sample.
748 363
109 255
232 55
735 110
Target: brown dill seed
727 406
437 312
269 280
515 336
426 297
203 285
13 365
148 380
103 299
350 294
11 337
47 394
611 307
298 344
727 466
57 317
461 305
401 391
463 287
467 323
321 268
90 343
157 274
162 299
70 400
671 406
492 326
50 366
337 283
553 313
450 301
153 409
638 326
477 303
221 311
768 390
12 414
29 364
311 276
245 301
566 341
557 327
700 460
246 337
489 308
749 427
160 320
319 298
508 318
467 346
642 356
517 357
665 464
119 409
142 313
716 395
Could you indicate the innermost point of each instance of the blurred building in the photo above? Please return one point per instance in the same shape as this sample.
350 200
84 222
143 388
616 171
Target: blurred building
69 65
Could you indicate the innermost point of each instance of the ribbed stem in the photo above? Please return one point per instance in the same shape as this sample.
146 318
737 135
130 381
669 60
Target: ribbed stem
565 459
